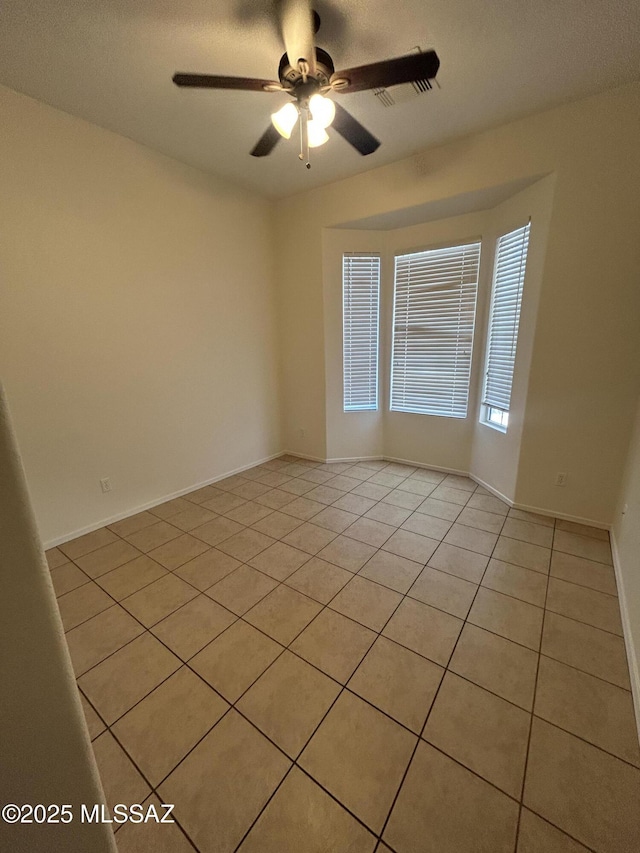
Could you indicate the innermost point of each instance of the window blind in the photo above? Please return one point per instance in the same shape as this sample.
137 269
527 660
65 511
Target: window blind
360 313
506 299
433 320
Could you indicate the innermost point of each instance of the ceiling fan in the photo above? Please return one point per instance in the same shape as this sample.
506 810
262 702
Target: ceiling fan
307 74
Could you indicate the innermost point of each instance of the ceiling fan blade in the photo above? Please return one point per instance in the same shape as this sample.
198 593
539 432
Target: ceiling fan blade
266 143
297 26
213 81
390 72
350 129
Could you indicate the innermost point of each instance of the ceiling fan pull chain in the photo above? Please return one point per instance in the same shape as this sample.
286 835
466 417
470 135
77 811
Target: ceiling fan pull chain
304 137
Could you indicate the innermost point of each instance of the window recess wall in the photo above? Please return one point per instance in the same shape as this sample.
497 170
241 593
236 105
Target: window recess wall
576 418
454 443
496 454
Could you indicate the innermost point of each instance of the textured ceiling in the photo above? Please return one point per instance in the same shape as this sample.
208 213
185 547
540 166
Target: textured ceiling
111 62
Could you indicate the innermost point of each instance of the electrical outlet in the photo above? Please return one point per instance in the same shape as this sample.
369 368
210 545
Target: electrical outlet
302 433
561 478
105 484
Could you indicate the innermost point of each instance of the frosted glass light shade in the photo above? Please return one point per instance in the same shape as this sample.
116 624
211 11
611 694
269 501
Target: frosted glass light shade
284 120
323 110
317 134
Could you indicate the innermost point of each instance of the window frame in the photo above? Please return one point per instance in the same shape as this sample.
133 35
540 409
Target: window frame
374 404
492 414
475 246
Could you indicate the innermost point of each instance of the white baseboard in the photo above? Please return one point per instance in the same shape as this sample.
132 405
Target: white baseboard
303 456
157 501
537 510
578 519
335 459
60 540
493 490
632 659
425 466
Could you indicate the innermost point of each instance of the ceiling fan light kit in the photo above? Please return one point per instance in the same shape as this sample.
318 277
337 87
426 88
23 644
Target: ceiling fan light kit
285 119
307 74
316 133
322 109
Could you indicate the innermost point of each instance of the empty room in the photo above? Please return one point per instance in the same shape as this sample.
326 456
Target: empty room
319 427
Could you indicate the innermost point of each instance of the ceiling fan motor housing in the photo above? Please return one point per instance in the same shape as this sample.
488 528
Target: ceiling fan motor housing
291 77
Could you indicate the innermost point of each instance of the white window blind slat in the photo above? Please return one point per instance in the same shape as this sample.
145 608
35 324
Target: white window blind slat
506 300
360 319
433 321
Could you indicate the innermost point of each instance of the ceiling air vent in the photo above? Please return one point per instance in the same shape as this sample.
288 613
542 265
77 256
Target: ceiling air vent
404 92
400 94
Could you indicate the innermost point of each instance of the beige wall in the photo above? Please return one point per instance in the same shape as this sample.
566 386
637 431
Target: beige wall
495 455
585 361
301 319
585 371
625 537
46 753
138 335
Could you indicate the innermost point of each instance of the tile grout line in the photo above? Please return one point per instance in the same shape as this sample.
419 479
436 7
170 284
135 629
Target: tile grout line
533 704
562 831
172 571
248 720
397 642
109 726
582 622
326 606
424 725
315 729
531 713
186 663
153 788
343 687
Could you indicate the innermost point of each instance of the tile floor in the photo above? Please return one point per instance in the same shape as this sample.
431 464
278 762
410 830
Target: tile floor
366 657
